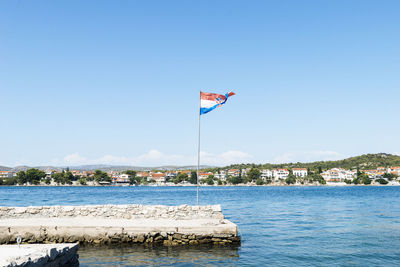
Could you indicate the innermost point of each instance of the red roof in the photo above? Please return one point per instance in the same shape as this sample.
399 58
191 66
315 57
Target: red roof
157 175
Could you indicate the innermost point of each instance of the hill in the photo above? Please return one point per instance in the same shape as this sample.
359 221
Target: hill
4 168
103 167
363 162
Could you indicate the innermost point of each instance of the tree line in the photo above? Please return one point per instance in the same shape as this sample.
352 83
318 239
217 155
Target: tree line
35 177
254 176
363 162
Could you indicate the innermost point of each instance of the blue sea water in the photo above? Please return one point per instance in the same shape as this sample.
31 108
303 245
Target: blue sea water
279 226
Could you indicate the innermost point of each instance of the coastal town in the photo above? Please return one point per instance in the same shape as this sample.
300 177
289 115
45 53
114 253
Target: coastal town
211 177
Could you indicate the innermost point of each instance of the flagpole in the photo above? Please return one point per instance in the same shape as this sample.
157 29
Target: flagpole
198 153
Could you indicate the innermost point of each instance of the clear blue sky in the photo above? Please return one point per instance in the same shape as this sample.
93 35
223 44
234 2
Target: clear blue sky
118 81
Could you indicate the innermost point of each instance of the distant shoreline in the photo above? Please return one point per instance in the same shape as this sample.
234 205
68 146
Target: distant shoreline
240 185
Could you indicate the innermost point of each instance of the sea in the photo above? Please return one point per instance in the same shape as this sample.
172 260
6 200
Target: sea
279 226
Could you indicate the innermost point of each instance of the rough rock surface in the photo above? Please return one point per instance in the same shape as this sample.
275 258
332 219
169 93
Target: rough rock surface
132 211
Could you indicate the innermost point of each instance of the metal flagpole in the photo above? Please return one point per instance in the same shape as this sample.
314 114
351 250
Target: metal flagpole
198 154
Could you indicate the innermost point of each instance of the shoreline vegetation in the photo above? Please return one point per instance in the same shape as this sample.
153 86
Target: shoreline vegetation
203 185
370 169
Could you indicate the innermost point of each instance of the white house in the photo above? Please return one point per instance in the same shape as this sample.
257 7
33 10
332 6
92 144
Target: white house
300 172
142 174
121 178
394 170
338 175
49 173
171 175
221 175
280 174
204 175
266 174
159 177
7 174
233 172
125 176
245 171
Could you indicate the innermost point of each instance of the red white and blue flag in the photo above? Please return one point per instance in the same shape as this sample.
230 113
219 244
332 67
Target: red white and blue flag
210 101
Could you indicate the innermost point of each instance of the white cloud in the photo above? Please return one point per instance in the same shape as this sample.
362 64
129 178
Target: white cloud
308 156
225 158
157 158
74 159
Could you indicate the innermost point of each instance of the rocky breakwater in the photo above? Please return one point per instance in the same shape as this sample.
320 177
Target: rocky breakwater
108 224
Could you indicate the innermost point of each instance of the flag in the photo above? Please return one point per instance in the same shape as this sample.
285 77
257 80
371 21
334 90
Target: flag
210 101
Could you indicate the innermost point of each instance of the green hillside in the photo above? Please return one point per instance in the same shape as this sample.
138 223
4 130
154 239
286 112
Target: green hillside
368 161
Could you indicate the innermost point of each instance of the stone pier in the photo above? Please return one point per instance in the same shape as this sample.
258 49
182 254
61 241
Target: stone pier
107 224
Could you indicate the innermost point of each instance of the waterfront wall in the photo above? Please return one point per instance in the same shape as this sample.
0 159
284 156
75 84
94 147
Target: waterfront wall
111 237
133 211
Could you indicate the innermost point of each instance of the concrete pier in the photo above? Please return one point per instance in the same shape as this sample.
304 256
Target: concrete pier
107 224
39 255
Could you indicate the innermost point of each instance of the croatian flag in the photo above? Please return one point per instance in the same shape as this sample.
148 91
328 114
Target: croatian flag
210 101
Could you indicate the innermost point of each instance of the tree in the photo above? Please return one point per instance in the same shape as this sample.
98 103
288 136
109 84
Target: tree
382 181
65 177
364 178
219 182
10 181
291 179
259 181
21 177
317 178
193 177
132 177
48 180
389 176
236 180
134 180
34 176
82 181
210 180
182 176
245 179
253 174
68 177
347 181
58 178
100 176
130 172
